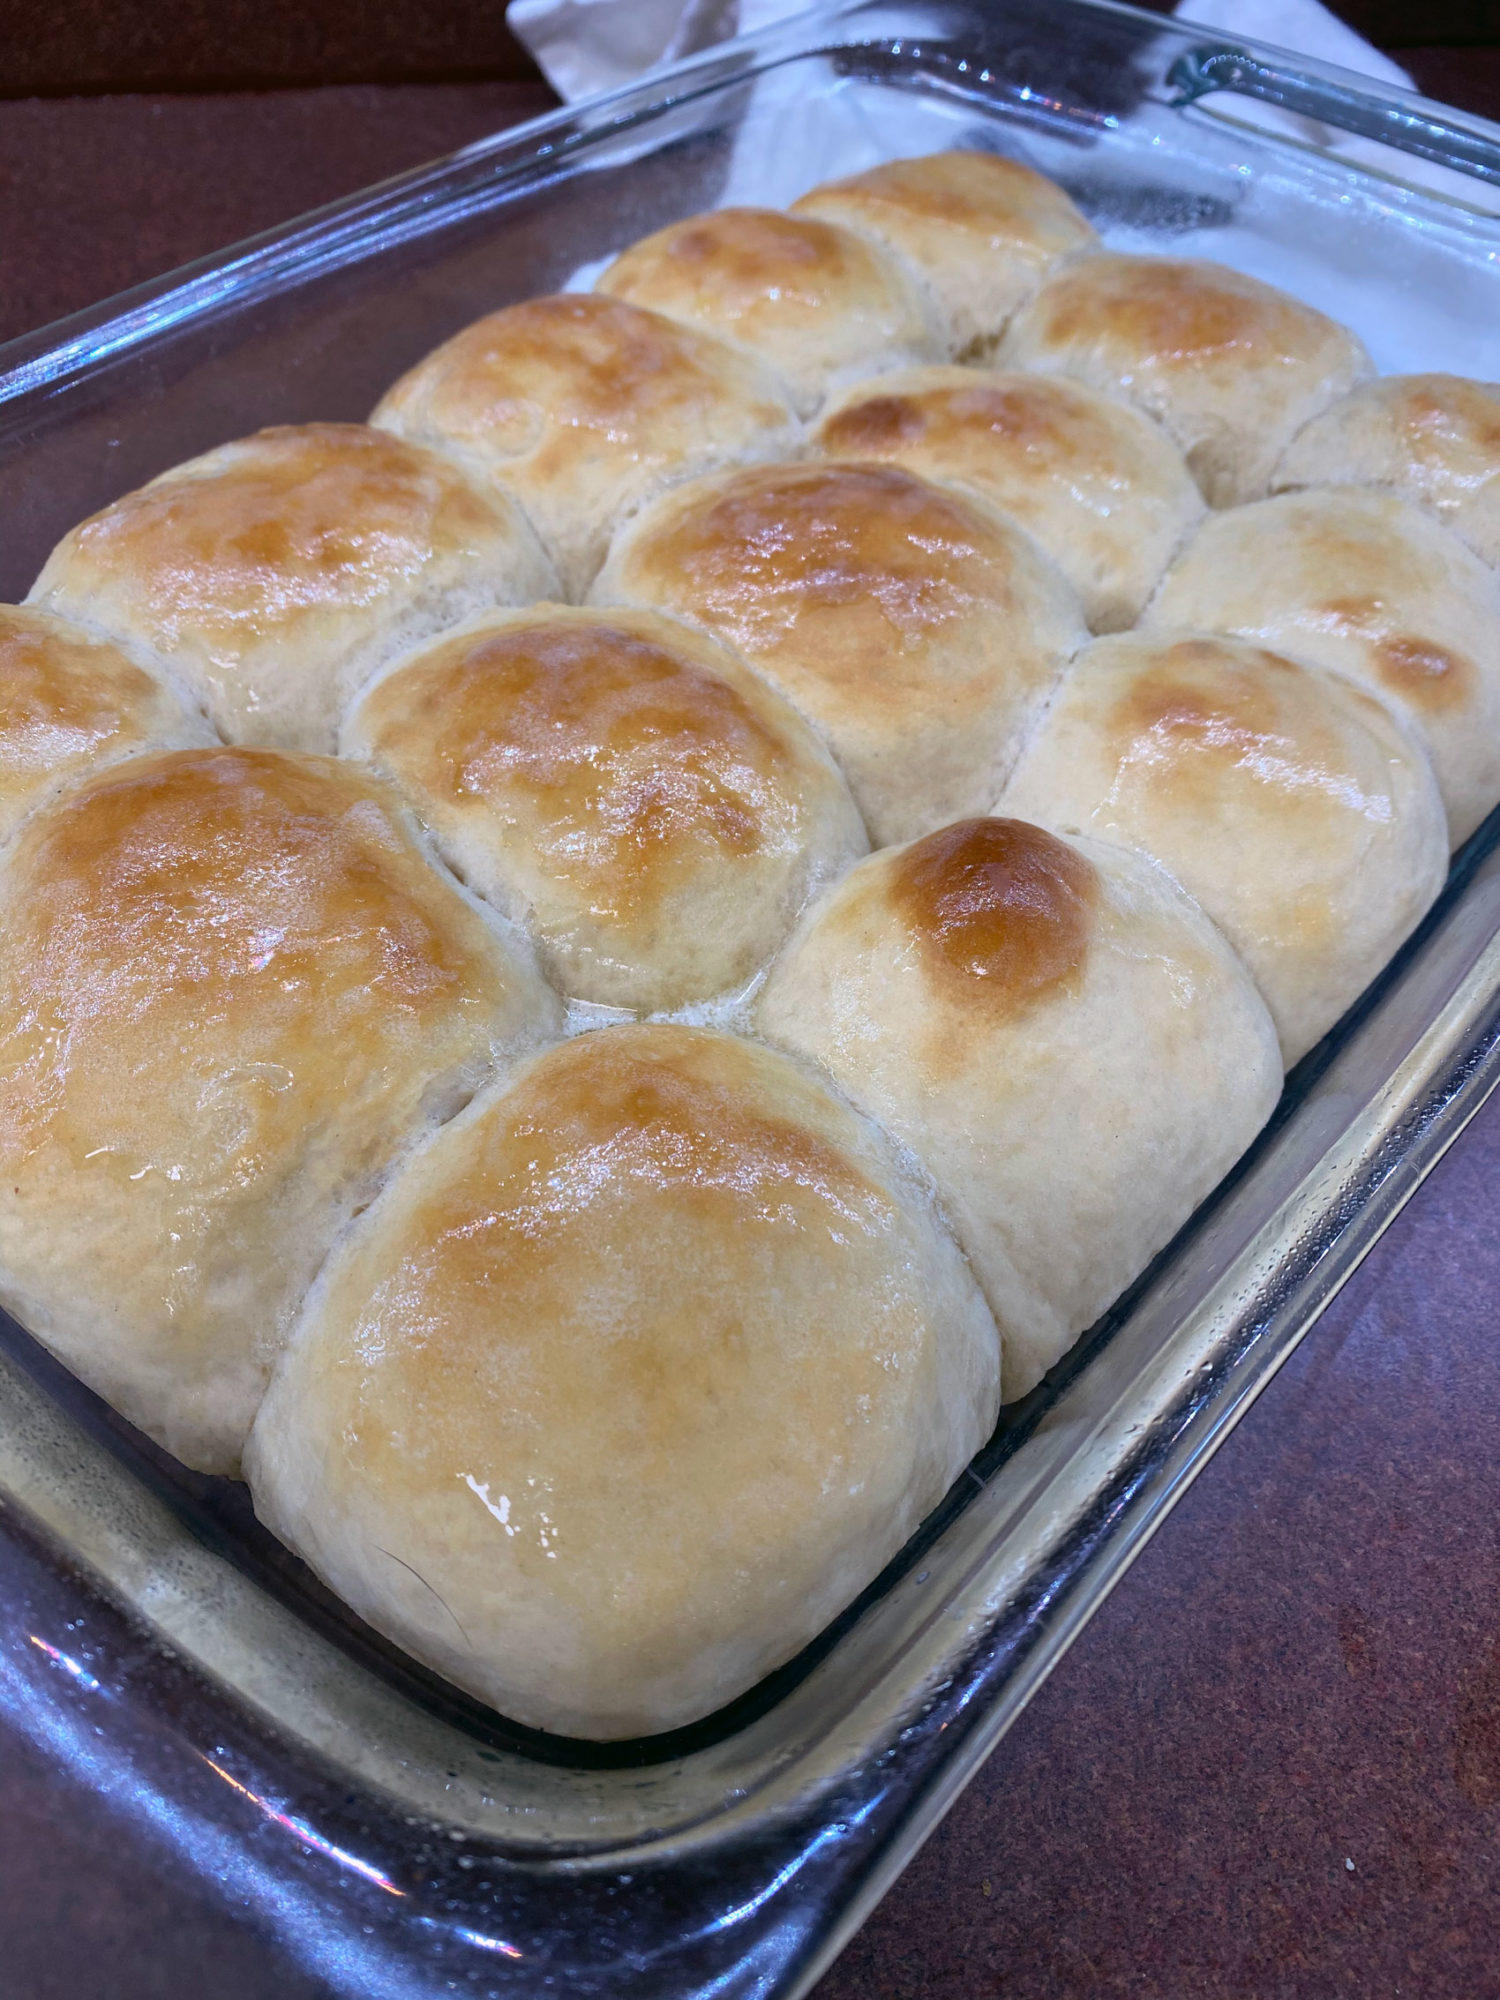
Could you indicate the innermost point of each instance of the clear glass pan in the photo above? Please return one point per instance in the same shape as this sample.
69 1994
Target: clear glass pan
398 1837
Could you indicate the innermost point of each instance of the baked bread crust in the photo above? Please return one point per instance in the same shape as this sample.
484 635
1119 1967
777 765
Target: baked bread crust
693 1355
916 628
275 574
817 302
1370 586
1294 807
1059 1034
234 988
980 231
585 407
651 810
1434 439
1229 367
72 702
1095 483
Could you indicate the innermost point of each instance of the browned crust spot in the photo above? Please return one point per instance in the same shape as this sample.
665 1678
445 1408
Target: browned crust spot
1003 908
1430 676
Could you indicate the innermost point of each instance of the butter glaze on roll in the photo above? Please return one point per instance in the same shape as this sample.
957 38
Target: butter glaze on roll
915 628
629 1383
981 232
1294 807
233 989
71 703
1229 367
1434 439
1059 1034
654 812
1093 481
817 302
276 573
1371 587
585 407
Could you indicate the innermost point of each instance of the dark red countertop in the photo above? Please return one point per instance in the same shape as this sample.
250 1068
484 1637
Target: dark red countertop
1270 1768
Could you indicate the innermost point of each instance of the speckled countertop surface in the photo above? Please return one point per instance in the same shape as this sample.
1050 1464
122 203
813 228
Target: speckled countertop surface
1270 1768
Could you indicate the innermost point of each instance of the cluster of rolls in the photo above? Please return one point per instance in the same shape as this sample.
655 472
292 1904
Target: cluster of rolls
596 968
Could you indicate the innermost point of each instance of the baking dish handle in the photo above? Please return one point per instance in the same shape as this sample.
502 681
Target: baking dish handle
1411 128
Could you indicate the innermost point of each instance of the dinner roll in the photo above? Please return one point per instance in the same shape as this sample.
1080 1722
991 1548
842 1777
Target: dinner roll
584 407
1229 367
276 573
70 703
1103 491
653 811
631 1381
981 232
1058 1032
1292 805
817 302
917 629
232 989
1371 586
1431 438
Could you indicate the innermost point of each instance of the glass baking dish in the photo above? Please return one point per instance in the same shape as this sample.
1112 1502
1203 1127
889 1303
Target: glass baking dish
396 1836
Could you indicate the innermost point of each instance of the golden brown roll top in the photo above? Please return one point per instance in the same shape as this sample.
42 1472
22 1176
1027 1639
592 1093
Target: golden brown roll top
1058 1033
817 302
276 573
981 232
1302 817
1229 367
653 811
1369 586
1095 483
233 988
692 1356
72 702
585 407
1434 439
912 625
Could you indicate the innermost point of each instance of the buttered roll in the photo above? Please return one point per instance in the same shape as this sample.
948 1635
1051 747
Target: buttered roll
275 574
1097 484
70 703
585 407
981 232
914 626
233 989
655 813
1059 1034
1369 586
1292 805
633 1378
817 302
1434 439
1229 367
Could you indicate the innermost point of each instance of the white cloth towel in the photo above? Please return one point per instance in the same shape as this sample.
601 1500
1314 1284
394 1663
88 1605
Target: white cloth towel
583 46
